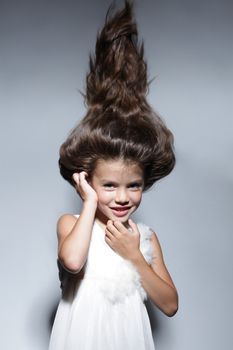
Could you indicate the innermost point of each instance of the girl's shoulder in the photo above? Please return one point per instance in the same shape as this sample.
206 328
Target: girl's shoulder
145 231
146 245
65 224
149 243
64 218
67 217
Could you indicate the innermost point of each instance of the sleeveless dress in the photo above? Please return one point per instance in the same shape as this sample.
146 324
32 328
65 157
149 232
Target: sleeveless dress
102 307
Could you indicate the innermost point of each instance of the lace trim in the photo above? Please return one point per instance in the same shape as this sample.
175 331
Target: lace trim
119 281
126 278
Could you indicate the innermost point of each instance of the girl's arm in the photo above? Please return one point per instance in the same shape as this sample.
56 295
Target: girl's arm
74 235
155 279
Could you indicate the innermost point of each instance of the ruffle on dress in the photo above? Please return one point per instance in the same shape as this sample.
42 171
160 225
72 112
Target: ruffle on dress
123 279
117 279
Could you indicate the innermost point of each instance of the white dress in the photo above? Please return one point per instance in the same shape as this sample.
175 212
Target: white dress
104 309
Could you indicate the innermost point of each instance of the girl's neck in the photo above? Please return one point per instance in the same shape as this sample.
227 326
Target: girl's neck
101 219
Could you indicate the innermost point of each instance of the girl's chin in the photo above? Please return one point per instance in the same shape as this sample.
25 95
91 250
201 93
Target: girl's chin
122 219
104 216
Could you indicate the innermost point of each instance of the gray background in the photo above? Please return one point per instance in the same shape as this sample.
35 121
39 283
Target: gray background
44 47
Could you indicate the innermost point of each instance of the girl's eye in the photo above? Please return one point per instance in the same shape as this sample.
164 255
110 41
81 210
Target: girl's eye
108 185
135 185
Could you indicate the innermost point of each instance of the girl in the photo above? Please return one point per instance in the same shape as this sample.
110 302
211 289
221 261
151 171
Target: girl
109 264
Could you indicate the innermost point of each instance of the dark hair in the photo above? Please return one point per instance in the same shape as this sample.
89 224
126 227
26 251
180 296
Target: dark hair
119 122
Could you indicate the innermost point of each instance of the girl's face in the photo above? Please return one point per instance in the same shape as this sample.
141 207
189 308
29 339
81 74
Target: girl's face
119 187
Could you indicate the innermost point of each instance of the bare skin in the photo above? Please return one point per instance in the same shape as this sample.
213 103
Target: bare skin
110 197
74 235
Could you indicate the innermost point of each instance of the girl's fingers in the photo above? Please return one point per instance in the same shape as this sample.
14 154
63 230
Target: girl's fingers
133 226
111 228
76 178
120 227
82 174
79 178
109 242
83 187
109 234
83 182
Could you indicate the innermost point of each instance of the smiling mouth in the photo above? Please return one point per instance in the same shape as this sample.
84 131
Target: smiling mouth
120 211
120 208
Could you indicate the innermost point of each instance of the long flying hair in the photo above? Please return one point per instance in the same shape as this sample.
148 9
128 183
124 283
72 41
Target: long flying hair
119 123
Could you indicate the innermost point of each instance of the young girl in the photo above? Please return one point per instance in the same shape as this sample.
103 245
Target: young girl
108 264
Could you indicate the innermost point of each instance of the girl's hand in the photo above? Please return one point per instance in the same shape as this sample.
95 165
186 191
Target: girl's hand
86 192
122 240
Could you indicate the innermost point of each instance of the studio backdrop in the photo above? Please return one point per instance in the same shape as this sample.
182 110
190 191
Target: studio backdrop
44 49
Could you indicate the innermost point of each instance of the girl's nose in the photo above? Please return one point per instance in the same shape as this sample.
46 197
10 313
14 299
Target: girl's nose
121 197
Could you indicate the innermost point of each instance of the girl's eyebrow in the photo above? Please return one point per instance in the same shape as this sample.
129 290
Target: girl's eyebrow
108 180
137 180
115 182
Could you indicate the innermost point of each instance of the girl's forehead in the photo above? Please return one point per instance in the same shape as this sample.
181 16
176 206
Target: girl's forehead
117 167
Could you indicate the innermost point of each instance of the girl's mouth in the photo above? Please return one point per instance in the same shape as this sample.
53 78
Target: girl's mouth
120 211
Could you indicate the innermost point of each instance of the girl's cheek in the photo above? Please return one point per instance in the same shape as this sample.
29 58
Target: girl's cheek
137 197
104 196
